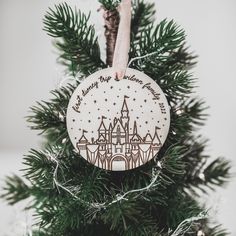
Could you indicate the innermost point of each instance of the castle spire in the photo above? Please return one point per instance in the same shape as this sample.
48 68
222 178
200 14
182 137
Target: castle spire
135 131
102 126
125 116
156 139
125 107
136 138
148 138
83 139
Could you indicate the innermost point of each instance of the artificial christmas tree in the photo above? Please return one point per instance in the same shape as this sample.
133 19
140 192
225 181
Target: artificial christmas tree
73 197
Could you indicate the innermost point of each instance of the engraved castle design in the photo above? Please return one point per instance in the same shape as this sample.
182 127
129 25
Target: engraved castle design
118 146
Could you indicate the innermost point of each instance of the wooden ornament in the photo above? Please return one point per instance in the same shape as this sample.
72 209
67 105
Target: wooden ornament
118 125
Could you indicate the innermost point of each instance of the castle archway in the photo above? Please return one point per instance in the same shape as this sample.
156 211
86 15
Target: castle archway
119 162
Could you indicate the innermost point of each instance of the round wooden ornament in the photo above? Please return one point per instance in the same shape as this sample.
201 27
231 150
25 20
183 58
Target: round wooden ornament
118 125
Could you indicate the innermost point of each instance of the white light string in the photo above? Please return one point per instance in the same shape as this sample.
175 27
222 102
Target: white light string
141 57
185 225
55 180
119 197
68 78
94 207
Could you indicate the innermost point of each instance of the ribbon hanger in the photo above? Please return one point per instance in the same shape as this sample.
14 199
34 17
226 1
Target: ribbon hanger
121 54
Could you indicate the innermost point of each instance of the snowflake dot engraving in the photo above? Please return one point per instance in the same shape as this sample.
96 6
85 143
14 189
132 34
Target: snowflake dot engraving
118 125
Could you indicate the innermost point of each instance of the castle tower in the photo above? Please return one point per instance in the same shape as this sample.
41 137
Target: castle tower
136 139
109 139
148 138
125 118
135 130
118 133
82 144
83 141
156 140
102 127
156 143
110 133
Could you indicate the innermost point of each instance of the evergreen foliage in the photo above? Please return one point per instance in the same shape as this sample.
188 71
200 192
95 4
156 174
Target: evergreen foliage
109 4
78 44
183 167
142 16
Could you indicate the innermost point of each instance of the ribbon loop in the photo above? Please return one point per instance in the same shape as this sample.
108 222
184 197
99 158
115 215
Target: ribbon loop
121 54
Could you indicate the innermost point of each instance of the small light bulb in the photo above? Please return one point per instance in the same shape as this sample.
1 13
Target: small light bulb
64 140
61 117
200 233
179 111
202 176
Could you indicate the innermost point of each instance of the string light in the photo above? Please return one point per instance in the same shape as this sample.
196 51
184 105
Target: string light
200 233
103 205
141 57
185 225
202 176
61 117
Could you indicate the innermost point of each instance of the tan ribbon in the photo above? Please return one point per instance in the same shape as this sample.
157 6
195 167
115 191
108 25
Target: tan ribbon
121 54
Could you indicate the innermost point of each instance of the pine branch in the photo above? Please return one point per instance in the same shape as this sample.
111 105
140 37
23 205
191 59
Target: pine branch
180 207
39 233
46 116
87 181
145 229
110 4
50 117
199 175
177 85
79 49
163 38
174 164
183 58
61 216
195 109
142 17
186 117
208 228
15 190
217 173
217 231
39 169
122 218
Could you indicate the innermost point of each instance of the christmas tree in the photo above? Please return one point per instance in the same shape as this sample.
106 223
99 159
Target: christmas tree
72 197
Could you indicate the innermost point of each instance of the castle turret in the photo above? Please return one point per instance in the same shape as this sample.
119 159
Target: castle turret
110 133
135 131
109 145
118 133
82 144
156 140
148 138
125 115
156 143
102 127
83 140
136 139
